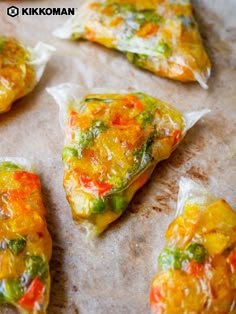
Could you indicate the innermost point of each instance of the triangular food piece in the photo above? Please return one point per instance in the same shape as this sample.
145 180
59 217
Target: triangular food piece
25 241
197 268
20 69
113 141
158 35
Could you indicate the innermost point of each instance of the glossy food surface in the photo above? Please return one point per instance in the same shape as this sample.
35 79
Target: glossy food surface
113 142
16 74
161 36
197 269
25 242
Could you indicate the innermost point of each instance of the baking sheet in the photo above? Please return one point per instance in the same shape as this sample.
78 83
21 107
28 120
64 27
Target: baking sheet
113 273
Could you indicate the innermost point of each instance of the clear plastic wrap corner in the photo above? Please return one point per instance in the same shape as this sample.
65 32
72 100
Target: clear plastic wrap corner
24 163
73 24
39 56
191 192
191 118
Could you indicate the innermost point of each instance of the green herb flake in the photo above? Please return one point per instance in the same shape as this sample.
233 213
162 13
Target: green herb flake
98 128
9 166
143 155
144 118
36 266
3 41
94 99
150 16
13 289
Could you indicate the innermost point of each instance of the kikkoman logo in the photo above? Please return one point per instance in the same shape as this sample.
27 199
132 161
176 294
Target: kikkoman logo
14 11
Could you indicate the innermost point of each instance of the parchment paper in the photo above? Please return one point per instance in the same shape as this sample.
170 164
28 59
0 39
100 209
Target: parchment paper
113 273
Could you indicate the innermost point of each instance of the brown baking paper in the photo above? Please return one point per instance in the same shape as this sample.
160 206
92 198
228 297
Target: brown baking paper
113 273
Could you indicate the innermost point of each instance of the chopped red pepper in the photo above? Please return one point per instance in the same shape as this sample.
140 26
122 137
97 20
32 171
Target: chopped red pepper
232 260
176 137
33 294
96 186
195 269
133 101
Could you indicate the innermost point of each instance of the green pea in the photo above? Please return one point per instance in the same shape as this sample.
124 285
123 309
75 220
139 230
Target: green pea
99 205
35 267
196 252
164 49
69 152
16 246
136 58
118 203
8 166
171 258
13 289
84 139
144 118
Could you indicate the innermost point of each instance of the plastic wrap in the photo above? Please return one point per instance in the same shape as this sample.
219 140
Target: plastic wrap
25 241
20 70
113 141
198 265
160 36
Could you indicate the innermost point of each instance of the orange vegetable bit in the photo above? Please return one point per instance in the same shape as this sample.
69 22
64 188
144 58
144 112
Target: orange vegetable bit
90 34
73 118
132 101
177 136
148 29
232 260
195 269
156 299
116 21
